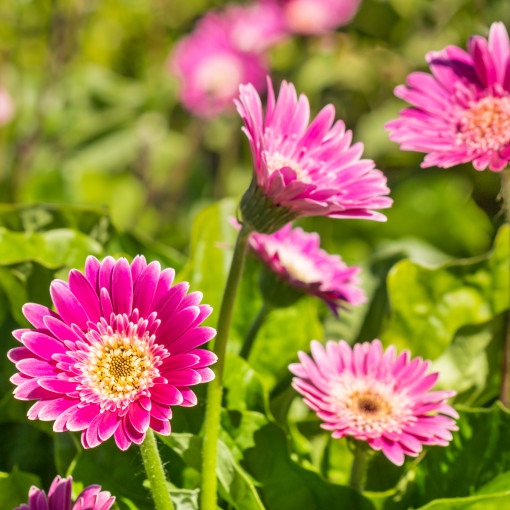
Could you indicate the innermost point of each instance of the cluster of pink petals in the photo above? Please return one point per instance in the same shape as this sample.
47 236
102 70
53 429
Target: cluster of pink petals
313 17
117 354
460 113
59 497
6 107
310 169
296 258
224 50
375 396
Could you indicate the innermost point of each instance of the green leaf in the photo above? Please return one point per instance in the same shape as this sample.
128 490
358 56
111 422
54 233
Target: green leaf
490 502
234 484
285 485
14 488
430 305
478 453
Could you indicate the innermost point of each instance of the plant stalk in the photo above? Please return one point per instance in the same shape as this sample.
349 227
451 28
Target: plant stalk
505 372
254 329
215 387
359 466
155 472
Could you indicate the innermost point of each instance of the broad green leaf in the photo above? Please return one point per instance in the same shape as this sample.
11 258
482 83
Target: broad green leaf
430 305
478 453
489 502
234 484
52 249
14 488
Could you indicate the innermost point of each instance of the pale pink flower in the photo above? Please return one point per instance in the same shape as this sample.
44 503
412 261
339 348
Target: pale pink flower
318 16
254 27
305 170
296 258
210 67
375 396
59 497
117 354
6 107
461 112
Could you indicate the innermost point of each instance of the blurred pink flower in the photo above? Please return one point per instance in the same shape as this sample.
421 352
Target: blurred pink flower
59 497
6 107
305 170
254 27
318 16
375 396
211 63
119 352
461 112
296 258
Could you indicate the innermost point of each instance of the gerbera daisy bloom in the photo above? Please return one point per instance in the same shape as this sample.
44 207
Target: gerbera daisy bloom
318 16
461 112
210 67
301 170
59 497
295 257
117 354
375 396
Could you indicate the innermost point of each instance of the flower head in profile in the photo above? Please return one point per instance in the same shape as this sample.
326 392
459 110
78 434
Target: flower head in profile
318 16
461 112
117 354
301 169
375 396
59 497
210 66
295 257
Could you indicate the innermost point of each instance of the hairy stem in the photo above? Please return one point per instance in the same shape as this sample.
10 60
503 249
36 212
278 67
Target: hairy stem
155 472
254 329
215 387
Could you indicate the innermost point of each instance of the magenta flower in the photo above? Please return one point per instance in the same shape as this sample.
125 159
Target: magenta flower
303 170
297 260
318 16
6 107
210 67
59 497
375 396
119 352
461 112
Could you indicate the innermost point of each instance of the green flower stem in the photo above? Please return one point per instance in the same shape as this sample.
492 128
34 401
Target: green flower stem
254 329
215 387
505 372
155 472
359 466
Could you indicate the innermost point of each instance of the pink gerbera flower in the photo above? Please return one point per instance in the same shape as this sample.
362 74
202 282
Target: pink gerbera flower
295 257
59 497
461 112
119 352
302 170
210 67
318 16
375 396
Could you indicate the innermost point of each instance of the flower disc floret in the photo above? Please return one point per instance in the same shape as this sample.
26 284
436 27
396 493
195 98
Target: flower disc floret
117 354
297 260
375 396
59 497
460 113
304 170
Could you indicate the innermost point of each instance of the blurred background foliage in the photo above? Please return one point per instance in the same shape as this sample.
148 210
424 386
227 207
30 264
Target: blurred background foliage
98 130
